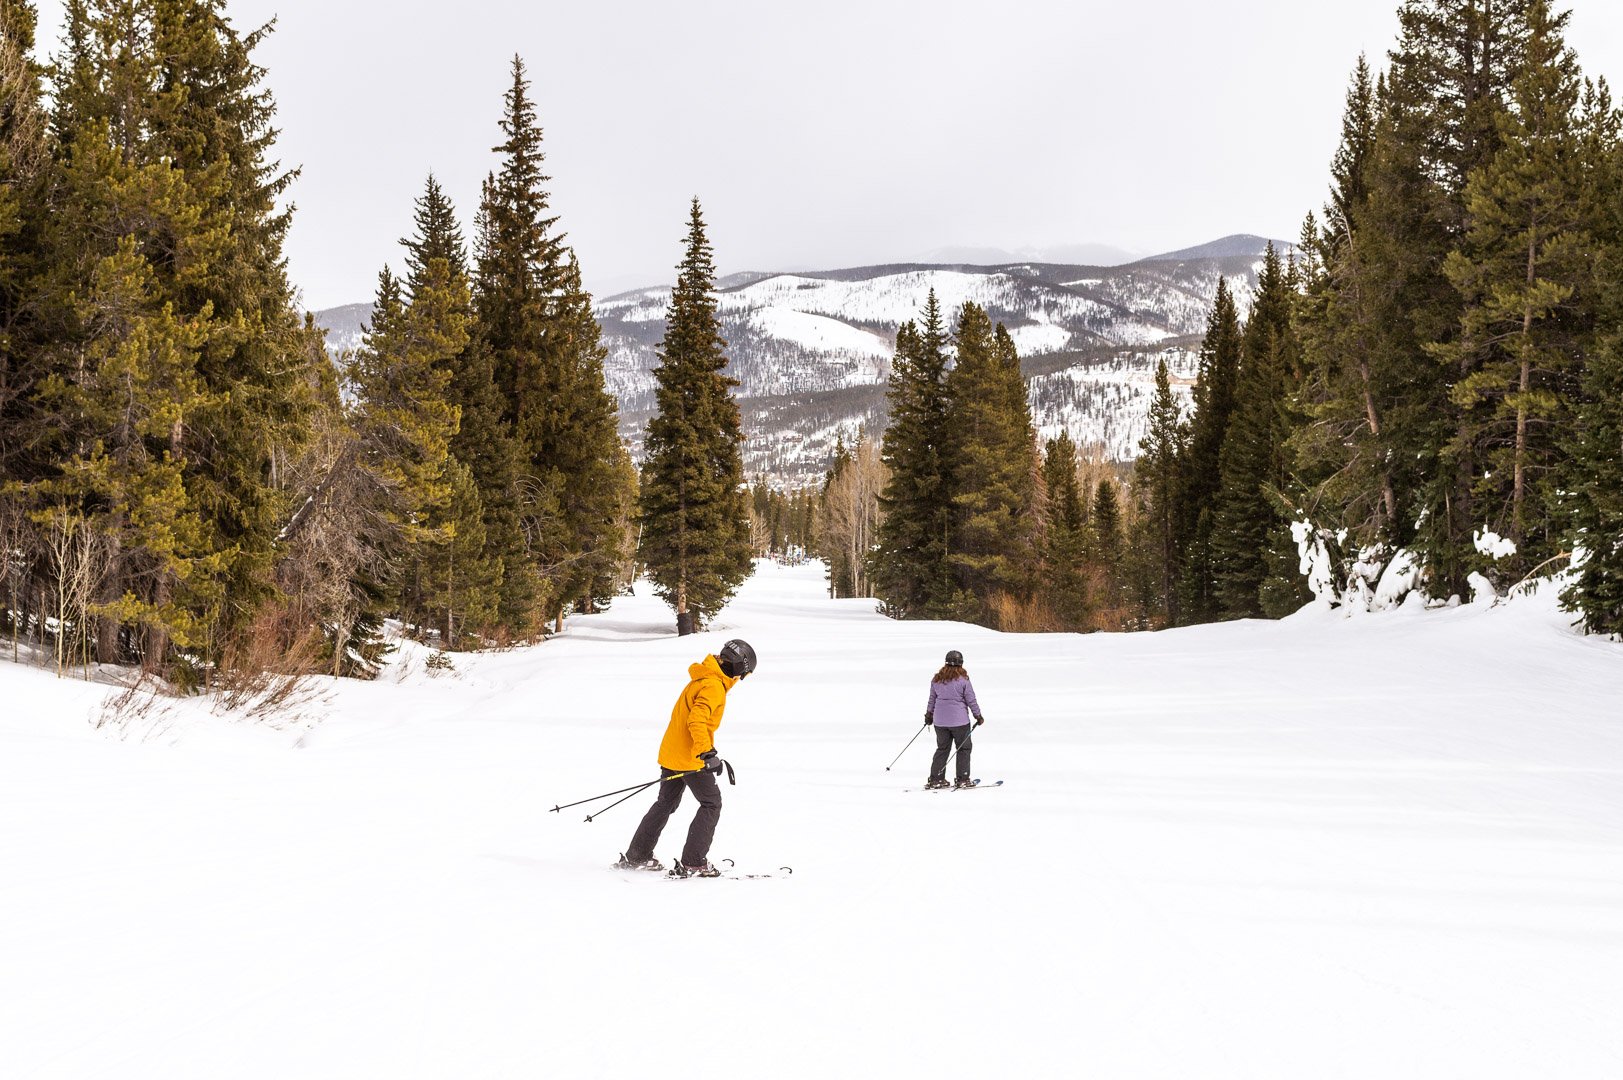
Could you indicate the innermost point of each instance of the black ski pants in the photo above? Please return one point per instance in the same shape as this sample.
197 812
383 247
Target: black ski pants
700 833
945 739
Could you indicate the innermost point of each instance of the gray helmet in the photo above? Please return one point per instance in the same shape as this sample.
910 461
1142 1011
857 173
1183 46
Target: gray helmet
955 658
737 659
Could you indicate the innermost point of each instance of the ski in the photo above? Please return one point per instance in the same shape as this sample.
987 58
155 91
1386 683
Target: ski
973 785
728 873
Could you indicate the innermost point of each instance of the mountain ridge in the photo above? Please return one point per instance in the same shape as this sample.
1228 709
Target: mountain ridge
812 349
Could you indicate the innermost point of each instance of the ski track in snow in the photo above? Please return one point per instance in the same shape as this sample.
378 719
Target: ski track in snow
1385 847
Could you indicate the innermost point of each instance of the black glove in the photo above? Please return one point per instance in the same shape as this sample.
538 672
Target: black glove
928 720
712 763
979 720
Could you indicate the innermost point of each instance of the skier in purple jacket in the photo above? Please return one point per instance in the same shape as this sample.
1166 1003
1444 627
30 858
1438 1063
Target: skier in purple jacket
952 703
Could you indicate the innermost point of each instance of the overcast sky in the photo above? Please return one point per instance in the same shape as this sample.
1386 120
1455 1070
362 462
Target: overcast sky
823 134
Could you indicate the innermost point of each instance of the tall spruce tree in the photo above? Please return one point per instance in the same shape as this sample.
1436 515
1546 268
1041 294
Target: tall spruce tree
1594 471
585 453
1522 268
536 322
26 171
1249 521
695 539
1066 551
910 570
988 423
1592 464
1343 450
1158 479
478 577
518 281
1215 384
1446 90
167 204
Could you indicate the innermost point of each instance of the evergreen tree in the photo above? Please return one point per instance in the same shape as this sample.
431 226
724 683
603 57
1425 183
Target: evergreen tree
1249 520
1592 466
1446 91
165 258
25 172
584 452
1343 450
520 260
545 344
1106 542
991 437
462 579
1521 268
910 570
695 538
483 444
1595 502
1213 411
1066 580
1158 478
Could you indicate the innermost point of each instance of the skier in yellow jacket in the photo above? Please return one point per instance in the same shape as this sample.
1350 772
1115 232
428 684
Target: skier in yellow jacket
689 751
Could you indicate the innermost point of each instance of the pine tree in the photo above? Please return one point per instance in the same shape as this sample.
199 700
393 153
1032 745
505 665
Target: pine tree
1343 451
462 579
1106 544
483 445
518 280
165 264
1521 269
1248 520
990 431
25 178
1592 465
1446 91
1208 425
910 570
545 344
1066 580
695 538
1158 477
1595 502
399 379
584 452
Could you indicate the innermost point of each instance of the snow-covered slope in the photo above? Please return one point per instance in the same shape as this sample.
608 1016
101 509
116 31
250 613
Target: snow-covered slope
1390 846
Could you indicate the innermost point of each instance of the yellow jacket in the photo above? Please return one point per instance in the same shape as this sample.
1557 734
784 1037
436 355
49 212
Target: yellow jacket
695 717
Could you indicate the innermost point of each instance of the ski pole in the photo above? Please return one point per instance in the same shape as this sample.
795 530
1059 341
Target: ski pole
730 779
633 789
968 745
910 742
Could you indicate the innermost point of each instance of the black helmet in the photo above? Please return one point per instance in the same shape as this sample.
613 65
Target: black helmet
737 658
955 658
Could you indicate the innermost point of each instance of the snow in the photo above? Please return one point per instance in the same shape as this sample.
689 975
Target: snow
1493 545
820 333
1383 847
1038 338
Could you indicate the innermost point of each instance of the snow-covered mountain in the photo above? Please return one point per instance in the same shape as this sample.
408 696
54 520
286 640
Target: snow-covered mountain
812 350
344 325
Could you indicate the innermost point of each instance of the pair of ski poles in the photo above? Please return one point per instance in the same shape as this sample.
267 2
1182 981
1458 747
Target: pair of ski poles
969 739
731 779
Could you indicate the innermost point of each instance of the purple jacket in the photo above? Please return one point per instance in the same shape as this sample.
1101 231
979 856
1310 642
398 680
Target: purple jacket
951 703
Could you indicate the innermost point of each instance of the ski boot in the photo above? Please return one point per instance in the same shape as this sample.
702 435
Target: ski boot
704 869
962 782
933 784
649 863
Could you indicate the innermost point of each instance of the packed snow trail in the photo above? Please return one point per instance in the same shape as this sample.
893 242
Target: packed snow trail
1388 847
